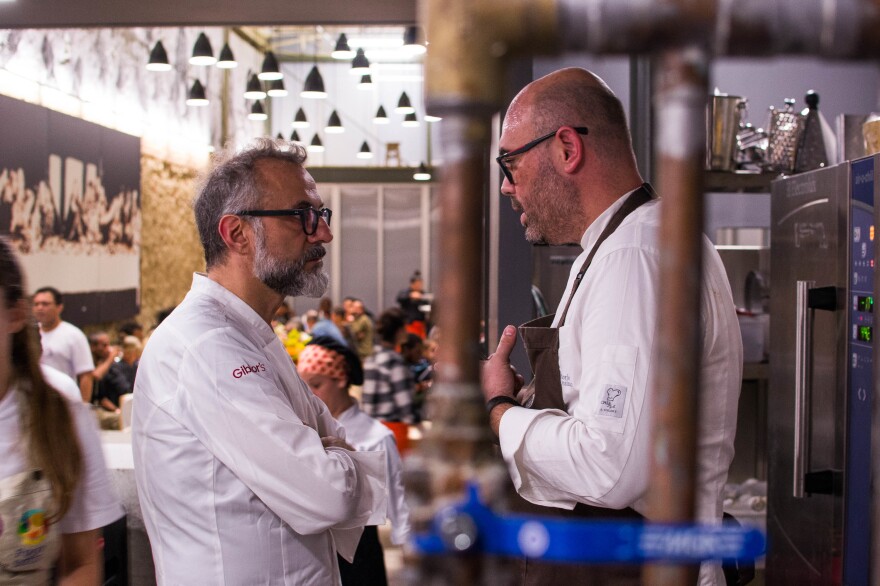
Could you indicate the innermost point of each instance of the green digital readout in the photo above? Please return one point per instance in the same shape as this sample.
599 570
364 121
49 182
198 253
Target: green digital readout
865 333
865 303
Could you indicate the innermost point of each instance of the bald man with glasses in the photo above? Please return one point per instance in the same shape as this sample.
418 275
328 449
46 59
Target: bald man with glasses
243 475
577 438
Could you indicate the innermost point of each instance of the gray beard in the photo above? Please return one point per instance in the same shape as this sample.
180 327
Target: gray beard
291 279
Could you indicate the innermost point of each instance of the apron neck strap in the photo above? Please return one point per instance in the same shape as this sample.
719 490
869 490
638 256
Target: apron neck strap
640 196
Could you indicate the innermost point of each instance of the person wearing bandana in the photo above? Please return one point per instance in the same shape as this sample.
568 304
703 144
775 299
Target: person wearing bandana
330 368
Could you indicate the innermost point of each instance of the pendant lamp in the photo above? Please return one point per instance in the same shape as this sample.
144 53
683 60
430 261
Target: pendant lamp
342 50
422 173
299 121
381 117
257 112
314 86
226 59
360 65
334 124
254 89
316 145
270 69
196 95
202 53
404 106
158 58
276 89
365 152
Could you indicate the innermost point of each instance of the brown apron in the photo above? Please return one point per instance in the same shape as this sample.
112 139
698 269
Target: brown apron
541 342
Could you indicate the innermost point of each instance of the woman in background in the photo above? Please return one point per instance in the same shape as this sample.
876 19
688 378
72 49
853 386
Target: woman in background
54 491
329 368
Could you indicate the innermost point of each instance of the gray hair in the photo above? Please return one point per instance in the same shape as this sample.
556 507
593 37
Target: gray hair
232 185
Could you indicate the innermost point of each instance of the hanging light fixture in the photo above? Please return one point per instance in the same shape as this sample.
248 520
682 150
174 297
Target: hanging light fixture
365 152
299 121
257 112
403 105
202 53
279 136
270 69
414 41
360 65
226 59
410 121
422 173
276 89
366 82
429 118
294 137
314 86
254 89
158 58
342 50
316 146
196 95
381 117
334 124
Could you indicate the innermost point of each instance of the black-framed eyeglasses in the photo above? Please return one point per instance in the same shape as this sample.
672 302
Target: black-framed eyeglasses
308 217
503 158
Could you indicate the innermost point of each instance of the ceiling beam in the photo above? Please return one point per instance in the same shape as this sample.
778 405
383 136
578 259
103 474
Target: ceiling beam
125 13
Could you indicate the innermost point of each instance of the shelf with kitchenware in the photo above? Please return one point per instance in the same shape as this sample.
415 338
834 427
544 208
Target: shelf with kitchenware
738 181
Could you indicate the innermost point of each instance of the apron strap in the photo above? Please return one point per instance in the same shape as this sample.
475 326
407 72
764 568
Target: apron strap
640 196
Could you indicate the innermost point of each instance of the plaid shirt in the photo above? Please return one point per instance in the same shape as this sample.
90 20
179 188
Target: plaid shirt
388 387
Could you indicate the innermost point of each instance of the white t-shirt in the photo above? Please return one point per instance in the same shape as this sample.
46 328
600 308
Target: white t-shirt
598 451
94 503
367 434
61 382
66 348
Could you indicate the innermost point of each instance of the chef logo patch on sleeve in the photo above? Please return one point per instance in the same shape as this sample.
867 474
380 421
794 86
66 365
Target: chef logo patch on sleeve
611 401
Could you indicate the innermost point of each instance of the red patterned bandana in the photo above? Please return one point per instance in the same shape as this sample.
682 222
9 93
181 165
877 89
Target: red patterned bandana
314 359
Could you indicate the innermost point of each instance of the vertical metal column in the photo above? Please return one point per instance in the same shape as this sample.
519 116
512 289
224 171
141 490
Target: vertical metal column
680 106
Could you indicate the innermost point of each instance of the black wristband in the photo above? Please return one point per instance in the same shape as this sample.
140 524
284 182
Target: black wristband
498 400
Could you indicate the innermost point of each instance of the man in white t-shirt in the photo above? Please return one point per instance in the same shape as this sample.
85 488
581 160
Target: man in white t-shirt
65 347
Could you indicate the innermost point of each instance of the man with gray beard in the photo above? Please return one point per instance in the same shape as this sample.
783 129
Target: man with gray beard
243 476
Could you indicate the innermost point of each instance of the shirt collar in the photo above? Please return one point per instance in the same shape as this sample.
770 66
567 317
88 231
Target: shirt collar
598 226
233 304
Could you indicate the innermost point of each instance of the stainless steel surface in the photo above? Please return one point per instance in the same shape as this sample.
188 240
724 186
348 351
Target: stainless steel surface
722 121
803 345
809 235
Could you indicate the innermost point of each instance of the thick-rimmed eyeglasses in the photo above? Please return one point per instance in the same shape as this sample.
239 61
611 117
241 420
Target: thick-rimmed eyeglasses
503 158
308 217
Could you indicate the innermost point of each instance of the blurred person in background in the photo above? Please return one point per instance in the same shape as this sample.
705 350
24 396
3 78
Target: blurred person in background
53 480
330 368
388 382
65 347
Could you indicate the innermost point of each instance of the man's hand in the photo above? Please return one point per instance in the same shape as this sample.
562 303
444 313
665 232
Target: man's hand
499 377
336 442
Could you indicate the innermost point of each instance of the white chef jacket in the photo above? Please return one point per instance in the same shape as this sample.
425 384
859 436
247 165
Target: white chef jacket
598 451
234 483
367 434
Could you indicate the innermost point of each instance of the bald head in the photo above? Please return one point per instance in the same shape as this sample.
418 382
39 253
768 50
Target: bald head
575 97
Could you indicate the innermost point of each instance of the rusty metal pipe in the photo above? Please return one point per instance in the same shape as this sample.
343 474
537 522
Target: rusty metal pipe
680 88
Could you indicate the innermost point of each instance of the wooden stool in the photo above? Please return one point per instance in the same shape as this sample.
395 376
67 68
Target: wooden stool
392 150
